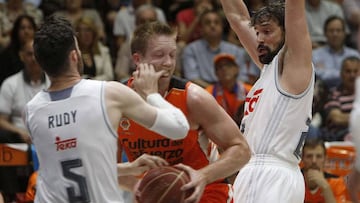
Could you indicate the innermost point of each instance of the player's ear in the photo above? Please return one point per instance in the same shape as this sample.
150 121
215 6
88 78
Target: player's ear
73 56
136 59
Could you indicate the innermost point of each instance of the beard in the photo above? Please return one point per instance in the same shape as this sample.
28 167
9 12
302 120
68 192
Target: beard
269 56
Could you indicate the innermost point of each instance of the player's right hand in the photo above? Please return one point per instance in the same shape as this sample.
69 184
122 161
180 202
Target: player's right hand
197 183
146 79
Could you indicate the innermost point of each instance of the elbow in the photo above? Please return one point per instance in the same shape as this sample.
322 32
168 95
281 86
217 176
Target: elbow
183 127
171 123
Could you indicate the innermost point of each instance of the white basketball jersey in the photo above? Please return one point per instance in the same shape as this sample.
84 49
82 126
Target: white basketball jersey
275 122
76 145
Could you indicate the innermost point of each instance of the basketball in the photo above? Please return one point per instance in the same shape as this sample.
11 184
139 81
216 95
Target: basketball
162 185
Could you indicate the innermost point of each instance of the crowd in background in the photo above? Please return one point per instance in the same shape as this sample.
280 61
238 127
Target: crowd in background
209 53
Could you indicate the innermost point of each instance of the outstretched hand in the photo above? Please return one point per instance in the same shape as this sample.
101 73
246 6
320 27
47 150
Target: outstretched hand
146 79
197 183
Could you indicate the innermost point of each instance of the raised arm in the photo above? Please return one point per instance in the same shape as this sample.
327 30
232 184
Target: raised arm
297 68
238 17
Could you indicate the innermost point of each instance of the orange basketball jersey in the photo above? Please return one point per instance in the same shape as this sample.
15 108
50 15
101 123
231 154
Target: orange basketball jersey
136 140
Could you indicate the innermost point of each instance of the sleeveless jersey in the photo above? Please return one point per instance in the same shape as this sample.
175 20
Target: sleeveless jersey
75 144
276 122
194 150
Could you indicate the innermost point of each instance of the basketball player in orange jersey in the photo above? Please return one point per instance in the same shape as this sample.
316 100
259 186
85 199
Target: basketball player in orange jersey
154 46
278 107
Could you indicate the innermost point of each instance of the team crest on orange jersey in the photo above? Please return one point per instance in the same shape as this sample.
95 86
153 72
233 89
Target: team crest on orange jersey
124 124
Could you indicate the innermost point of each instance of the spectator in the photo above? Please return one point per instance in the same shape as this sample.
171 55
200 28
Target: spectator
108 14
124 63
124 24
187 20
327 59
15 92
317 11
197 57
74 11
96 56
352 13
229 92
338 108
320 186
23 31
11 10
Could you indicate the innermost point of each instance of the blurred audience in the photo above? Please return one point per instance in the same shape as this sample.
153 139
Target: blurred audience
74 11
9 12
328 58
23 31
320 186
352 13
317 11
15 92
124 63
108 14
197 56
229 92
188 19
124 24
96 56
338 107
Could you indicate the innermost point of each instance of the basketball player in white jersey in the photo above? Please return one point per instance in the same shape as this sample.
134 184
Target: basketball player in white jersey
278 107
354 180
73 123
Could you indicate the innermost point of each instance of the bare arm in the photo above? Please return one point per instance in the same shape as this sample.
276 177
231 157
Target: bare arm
223 131
5 124
239 19
297 68
121 101
161 116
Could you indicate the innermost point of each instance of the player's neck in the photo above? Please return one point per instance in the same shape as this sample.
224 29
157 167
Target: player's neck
63 82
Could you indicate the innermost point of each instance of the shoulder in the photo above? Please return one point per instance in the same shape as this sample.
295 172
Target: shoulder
198 96
12 81
352 51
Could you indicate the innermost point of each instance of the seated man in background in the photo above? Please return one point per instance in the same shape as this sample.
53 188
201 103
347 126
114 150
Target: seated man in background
339 105
229 92
320 186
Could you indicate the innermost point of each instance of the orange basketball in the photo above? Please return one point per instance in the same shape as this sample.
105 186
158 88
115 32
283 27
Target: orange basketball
162 185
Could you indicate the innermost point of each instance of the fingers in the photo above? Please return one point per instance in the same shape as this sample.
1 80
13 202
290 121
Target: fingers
148 69
152 161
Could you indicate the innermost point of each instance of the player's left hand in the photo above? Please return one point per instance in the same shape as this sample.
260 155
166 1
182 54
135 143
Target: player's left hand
197 183
146 162
146 79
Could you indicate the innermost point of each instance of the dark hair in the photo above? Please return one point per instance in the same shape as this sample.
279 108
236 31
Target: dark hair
144 32
274 11
314 142
332 18
205 13
349 58
53 43
15 41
